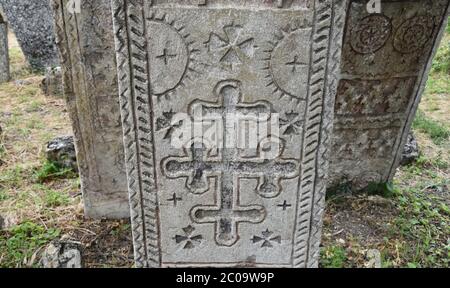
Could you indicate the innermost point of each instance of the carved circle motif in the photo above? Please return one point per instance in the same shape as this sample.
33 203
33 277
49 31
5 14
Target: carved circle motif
171 55
288 63
413 34
371 33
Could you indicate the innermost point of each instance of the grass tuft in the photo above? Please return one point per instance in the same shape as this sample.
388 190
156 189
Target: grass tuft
50 171
437 132
333 257
22 241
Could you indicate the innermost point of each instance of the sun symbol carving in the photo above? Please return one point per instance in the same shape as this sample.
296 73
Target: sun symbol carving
287 63
172 55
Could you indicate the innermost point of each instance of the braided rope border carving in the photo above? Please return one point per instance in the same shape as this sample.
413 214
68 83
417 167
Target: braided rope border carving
316 136
337 35
137 122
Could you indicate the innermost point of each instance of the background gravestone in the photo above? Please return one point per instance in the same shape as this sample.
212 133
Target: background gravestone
4 54
202 206
385 65
32 24
86 45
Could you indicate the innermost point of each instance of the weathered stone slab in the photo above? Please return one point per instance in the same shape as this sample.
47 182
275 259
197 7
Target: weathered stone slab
212 64
32 24
4 54
385 65
86 45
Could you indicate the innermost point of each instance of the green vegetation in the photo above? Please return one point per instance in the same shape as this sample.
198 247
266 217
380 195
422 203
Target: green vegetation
422 228
22 242
333 257
386 190
441 63
50 171
438 132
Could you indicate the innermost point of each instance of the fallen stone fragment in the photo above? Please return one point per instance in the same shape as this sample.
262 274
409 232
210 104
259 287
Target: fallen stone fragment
61 151
374 258
62 253
411 151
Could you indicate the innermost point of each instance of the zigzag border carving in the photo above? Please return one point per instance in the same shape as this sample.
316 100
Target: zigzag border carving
325 61
136 110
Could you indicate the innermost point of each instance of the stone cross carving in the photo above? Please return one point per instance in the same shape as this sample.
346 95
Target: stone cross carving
204 205
197 168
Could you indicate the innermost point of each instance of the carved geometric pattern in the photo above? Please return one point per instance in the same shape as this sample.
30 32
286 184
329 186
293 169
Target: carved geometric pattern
165 123
267 239
413 34
315 154
197 166
285 66
129 26
170 45
285 205
336 25
188 238
137 117
371 33
369 97
199 169
232 46
175 199
292 124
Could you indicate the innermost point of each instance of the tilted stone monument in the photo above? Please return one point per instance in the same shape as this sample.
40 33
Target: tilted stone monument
385 64
199 72
4 54
86 45
32 24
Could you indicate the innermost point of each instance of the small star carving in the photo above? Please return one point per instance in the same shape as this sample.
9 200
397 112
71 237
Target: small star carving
292 124
165 123
189 240
267 239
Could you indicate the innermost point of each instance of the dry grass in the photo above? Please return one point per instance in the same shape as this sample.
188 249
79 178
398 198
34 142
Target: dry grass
29 120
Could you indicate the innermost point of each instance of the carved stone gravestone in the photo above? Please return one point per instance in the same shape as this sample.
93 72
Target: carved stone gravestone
385 64
227 110
86 45
32 24
4 54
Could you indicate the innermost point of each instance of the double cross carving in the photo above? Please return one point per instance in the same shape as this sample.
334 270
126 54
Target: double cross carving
202 168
